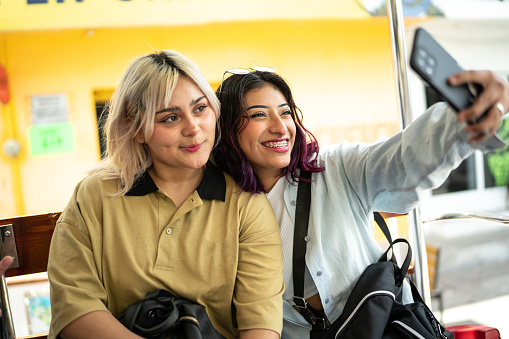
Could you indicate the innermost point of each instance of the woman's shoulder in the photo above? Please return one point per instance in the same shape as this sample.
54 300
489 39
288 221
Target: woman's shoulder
96 182
90 193
344 149
232 186
235 192
334 151
92 177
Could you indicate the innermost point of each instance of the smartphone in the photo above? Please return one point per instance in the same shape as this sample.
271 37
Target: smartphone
435 65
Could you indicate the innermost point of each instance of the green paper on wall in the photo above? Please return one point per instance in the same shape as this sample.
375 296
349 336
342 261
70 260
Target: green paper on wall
48 139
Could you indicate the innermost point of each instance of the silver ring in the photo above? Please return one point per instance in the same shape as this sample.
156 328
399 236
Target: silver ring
500 107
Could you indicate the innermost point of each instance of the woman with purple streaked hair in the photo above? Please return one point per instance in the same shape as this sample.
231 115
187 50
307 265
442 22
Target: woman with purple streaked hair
265 147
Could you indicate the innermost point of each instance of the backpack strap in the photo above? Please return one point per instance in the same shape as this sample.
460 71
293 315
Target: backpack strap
385 229
300 240
406 263
300 243
383 226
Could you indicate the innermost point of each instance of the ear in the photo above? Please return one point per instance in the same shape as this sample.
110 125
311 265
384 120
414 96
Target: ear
139 138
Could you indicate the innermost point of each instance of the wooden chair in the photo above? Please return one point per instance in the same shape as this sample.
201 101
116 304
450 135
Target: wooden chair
433 256
27 240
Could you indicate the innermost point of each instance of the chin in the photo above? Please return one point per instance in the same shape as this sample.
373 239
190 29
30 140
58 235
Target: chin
201 164
197 164
282 165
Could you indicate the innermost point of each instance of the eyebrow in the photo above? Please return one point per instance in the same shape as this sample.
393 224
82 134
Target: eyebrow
177 108
263 106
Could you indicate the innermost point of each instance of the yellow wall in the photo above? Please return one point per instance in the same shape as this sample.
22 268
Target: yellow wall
341 72
66 14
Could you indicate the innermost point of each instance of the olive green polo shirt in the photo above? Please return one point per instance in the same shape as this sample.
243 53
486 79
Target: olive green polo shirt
221 248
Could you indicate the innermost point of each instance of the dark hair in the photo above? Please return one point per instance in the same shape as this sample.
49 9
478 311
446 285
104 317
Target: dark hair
233 118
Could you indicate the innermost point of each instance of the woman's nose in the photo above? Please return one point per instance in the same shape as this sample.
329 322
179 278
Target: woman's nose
278 126
191 127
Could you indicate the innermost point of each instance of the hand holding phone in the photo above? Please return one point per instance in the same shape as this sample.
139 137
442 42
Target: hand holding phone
435 65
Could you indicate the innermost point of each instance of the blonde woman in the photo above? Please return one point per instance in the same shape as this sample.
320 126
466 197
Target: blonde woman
160 215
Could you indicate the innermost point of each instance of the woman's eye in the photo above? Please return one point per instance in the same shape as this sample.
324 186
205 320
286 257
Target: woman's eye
170 119
201 108
288 112
257 115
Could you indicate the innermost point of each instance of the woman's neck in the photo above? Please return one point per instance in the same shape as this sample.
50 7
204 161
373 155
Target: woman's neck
177 184
269 180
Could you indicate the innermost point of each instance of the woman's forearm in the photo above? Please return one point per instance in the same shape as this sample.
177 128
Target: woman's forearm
258 334
97 324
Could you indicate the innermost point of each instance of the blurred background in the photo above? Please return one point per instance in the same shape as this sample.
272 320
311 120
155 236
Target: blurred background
60 61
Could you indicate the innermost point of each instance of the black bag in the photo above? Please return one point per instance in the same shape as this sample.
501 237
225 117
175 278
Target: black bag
374 308
162 315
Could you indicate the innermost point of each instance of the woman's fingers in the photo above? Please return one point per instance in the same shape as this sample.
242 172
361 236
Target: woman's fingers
5 263
485 114
485 128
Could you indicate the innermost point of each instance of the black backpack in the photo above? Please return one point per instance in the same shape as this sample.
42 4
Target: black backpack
374 309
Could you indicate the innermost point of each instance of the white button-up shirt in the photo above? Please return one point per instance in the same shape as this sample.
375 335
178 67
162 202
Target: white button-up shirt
360 178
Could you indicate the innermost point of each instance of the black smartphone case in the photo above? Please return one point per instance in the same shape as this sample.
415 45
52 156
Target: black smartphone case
435 65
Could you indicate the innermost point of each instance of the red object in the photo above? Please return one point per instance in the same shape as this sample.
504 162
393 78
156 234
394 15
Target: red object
4 86
474 332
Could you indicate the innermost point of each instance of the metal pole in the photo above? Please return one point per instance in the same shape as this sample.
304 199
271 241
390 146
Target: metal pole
397 31
7 322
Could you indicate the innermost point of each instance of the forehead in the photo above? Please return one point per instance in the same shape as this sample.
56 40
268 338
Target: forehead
266 94
185 85
183 92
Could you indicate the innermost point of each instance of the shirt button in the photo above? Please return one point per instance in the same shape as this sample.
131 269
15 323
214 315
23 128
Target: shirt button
168 231
293 203
327 300
306 238
192 199
319 273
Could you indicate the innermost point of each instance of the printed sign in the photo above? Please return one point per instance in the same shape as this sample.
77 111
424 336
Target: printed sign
48 109
48 139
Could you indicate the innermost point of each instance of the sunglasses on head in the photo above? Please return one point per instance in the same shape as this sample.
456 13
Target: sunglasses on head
241 71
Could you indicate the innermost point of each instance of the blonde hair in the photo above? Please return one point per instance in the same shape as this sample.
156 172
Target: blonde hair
145 87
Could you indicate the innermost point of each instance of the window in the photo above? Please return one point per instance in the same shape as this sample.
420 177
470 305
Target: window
101 97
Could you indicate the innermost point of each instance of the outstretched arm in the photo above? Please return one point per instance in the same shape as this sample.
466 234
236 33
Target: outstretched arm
390 174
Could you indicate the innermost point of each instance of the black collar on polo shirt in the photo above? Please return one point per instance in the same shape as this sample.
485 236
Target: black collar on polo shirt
212 186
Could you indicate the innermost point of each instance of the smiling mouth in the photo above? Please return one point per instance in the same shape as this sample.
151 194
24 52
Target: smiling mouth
192 148
278 144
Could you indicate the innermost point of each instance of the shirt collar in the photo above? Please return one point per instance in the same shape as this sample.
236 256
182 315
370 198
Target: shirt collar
212 186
